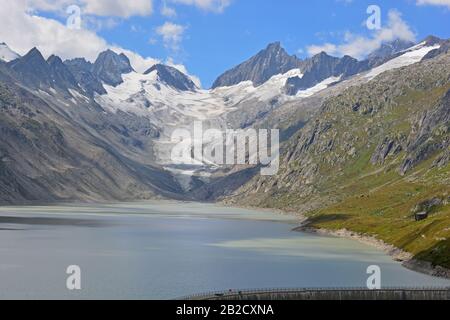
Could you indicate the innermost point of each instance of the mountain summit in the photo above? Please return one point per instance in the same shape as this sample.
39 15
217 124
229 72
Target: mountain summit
110 66
173 77
269 62
33 70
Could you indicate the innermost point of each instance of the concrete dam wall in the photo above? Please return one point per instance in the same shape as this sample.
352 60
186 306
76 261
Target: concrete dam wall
327 294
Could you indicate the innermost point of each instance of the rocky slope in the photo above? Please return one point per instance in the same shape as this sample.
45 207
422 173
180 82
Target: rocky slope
131 116
391 48
59 145
369 157
110 66
269 62
172 77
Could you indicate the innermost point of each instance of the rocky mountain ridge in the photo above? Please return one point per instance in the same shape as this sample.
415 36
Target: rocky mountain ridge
132 115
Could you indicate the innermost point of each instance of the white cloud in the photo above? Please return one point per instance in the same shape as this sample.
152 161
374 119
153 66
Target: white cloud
23 31
358 46
168 11
114 8
326 47
139 63
50 5
126 8
119 8
433 3
172 35
217 6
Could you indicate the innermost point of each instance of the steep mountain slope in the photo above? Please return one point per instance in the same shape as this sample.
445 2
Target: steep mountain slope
269 62
59 145
169 100
131 116
33 70
172 77
372 157
82 71
110 66
321 67
49 155
61 75
390 48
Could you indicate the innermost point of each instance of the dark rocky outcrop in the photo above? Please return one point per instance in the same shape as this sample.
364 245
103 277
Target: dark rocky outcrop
390 48
423 209
32 70
389 147
323 66
82 71
110 66
173 77
429 135
443 49
61 75
269 62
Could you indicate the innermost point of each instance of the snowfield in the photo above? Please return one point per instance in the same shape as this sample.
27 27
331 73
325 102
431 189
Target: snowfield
170 109
413 55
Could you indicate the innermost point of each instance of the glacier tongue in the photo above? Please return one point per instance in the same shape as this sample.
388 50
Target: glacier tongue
170 109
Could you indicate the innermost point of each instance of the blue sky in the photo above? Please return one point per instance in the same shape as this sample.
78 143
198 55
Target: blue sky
208 37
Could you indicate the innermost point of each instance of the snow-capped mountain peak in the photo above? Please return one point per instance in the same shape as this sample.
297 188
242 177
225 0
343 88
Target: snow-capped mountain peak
173 77
271 61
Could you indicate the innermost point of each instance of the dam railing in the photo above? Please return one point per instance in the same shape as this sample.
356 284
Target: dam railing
326 294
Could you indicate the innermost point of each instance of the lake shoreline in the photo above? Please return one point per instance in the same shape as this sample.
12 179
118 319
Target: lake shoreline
407 259
397 254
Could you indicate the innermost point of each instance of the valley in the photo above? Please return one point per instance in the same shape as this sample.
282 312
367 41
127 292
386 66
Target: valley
364 143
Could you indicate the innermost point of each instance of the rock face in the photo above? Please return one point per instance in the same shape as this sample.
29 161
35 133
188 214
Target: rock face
269 62
423 209
58 149
82 71
58 144
443 49
33 70
389 147
430 134
61 75
110 66
391 48
172 77
321 67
